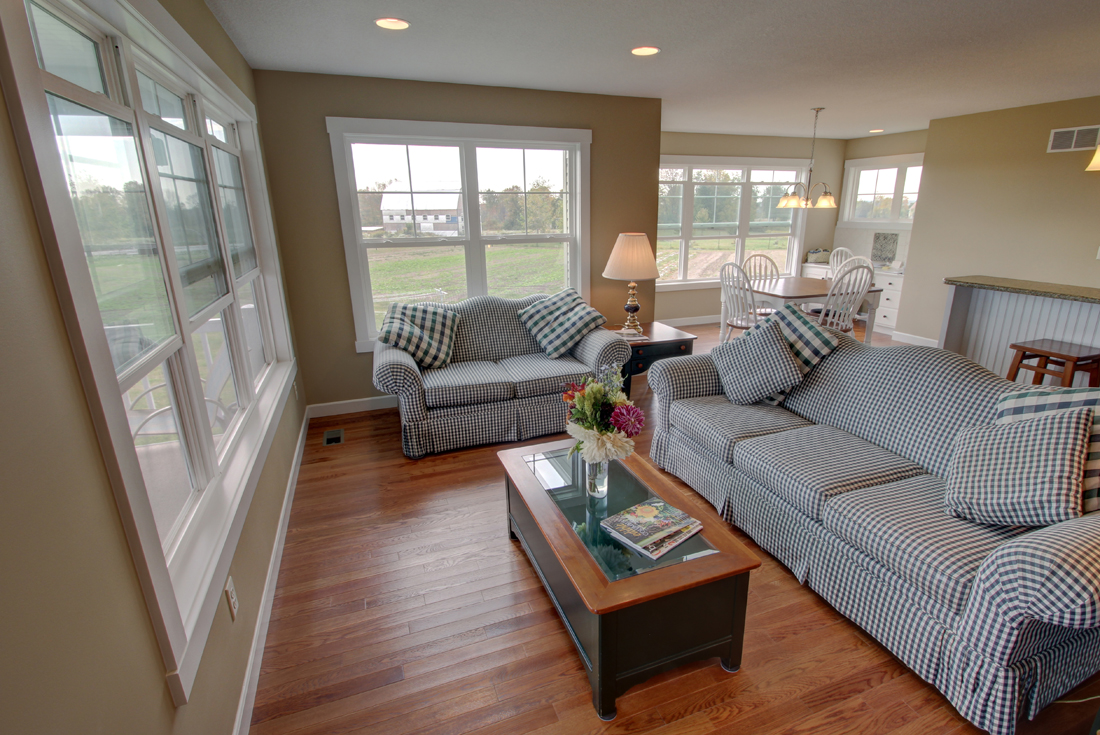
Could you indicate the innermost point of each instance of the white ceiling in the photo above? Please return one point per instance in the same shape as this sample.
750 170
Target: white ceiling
726 66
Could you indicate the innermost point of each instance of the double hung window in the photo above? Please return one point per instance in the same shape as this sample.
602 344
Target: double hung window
152 206
715 211
441 212
881 191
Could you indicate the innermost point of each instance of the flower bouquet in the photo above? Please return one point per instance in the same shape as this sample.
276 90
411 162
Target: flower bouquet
604 422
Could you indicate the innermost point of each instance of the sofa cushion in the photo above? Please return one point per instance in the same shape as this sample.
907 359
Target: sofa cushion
466 383
490 330
807 466
909 399
1027 473
756 365
560 321
538 375
1041 400
902 526
716 424
426 332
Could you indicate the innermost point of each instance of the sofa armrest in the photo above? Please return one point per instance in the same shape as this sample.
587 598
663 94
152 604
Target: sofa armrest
1050 576
689 376
600 348
395 371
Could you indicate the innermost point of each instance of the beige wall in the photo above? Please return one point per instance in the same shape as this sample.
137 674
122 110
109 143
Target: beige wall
820 225
292 110
80 655
195 18
894 144
994 202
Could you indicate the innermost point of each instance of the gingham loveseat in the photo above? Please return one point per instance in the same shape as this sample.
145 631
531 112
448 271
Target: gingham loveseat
844 485
499 385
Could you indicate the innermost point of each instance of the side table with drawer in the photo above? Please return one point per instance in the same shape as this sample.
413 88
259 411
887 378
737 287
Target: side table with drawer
664 341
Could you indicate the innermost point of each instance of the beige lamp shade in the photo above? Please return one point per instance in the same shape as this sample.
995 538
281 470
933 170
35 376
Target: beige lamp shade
631 259
1093 166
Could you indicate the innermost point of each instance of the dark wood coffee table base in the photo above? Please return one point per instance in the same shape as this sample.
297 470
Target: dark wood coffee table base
625 647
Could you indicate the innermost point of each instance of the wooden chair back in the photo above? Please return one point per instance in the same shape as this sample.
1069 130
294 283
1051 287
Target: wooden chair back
759 267
838 257
847 293
739 298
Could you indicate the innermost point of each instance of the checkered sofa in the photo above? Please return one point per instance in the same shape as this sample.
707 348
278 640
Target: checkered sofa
844 485
499 386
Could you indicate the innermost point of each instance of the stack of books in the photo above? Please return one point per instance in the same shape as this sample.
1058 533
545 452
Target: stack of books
652 528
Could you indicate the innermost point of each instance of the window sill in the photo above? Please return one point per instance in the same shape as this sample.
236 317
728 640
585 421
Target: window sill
364 345
687 285
880 225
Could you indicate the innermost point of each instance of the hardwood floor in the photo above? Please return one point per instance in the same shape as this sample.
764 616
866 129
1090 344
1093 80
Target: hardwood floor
402 607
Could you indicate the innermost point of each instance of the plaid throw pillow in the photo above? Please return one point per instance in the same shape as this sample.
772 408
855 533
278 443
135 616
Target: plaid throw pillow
1026 473
756 365
425 332
808 340
1039 401
560 321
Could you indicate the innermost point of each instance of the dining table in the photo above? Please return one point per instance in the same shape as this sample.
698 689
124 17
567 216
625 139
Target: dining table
776 293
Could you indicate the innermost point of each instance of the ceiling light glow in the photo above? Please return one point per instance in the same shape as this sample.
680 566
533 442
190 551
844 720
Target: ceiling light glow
645 51
392 24
876 130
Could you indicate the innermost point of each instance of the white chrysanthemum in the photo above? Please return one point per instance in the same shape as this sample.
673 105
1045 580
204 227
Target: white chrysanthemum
597 447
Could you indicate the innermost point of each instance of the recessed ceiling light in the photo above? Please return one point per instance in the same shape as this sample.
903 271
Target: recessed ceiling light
392 24
876 130
645 51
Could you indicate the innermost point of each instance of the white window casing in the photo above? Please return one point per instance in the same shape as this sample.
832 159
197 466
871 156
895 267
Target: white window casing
852 170
746 164
181 569
344 132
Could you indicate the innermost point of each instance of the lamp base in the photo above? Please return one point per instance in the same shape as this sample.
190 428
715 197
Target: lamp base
632 308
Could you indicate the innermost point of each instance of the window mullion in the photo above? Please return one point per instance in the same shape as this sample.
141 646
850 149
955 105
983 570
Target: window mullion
743 217
899 191
477 272
687 210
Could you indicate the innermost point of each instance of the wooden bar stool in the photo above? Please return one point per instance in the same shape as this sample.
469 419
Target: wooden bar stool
1071 358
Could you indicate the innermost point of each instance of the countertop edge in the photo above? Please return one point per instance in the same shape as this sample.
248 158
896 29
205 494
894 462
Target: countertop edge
1030 289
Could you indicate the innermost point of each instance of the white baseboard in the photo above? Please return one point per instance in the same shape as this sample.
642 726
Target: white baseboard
913 339
357 405
685 321
259 637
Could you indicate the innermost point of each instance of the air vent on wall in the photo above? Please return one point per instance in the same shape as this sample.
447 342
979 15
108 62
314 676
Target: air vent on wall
1073 139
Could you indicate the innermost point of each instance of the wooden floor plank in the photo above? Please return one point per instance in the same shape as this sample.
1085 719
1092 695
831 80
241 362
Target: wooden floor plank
402 606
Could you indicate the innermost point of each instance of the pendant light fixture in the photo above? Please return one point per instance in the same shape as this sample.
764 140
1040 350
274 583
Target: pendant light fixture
793 199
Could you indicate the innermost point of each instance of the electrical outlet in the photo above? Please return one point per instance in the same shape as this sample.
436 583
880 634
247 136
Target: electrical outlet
231 598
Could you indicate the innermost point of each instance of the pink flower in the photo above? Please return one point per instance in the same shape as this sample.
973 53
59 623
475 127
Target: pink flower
628 419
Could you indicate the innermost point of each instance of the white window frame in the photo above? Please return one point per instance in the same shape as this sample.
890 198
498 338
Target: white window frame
798 216
181 578
852 169
344 131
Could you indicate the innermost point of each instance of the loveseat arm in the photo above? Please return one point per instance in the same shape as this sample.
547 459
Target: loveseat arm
1050 576
395 371
600 348
688 376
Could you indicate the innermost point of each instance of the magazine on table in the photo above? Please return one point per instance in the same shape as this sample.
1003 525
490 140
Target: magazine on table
652 528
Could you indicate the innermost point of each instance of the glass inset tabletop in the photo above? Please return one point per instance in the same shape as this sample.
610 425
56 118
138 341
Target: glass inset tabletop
562 476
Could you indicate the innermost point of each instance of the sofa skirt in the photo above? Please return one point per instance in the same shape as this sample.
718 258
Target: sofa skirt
458 427
914 628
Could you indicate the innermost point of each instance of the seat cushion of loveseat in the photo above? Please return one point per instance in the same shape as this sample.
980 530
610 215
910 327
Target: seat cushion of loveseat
808 465
902 525
539 375
718 425
466 383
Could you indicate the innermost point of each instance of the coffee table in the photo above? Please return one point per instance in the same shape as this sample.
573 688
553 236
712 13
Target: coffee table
630 618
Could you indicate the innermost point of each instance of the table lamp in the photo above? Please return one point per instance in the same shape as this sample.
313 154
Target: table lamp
631 260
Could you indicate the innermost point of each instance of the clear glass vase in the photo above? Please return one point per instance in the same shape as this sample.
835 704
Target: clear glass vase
595 479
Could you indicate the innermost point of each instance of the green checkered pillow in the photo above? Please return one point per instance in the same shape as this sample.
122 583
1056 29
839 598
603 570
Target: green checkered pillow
560 321
1021 473
425 332
809 341
1038 401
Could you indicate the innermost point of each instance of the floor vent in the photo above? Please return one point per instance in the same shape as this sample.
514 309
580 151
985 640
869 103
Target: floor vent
1073 139
334 436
